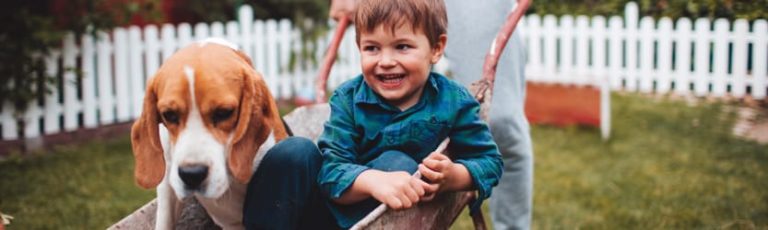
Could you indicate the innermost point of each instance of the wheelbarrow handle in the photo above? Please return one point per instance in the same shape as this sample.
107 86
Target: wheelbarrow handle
330 57
498 44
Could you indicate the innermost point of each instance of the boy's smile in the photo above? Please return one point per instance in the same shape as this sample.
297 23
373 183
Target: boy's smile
396 64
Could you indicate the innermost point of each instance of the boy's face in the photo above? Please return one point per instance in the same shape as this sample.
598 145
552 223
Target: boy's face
396 65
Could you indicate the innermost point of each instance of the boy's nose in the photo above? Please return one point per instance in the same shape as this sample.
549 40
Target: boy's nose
387 60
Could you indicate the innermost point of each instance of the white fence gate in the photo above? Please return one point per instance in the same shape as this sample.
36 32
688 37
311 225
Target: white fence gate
681 57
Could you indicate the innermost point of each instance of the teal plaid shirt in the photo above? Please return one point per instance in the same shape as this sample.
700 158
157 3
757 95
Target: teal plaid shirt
362 126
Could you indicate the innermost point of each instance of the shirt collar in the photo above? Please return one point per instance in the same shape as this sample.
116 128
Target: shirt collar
366 95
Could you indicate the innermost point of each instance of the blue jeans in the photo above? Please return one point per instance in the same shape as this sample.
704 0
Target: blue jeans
283 192
388 161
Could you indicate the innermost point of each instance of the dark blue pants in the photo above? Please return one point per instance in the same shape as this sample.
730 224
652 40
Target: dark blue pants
283 192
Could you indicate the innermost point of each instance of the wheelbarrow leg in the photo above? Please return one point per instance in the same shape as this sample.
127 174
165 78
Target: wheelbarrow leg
478 220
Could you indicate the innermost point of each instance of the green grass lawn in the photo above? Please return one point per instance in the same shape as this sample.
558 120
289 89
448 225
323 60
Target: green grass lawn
667 166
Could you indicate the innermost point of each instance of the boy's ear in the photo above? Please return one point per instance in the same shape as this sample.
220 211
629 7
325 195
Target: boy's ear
439 48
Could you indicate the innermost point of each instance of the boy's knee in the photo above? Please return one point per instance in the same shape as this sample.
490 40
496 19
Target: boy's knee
392 160
293 151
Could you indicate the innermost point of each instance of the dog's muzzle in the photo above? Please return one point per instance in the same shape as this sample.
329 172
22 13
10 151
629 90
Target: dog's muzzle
193 175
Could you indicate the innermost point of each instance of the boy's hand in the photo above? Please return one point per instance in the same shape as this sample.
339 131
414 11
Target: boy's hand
341 8
442 172
398 190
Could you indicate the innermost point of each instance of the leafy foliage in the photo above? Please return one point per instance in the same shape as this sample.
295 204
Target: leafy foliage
30 29
731 9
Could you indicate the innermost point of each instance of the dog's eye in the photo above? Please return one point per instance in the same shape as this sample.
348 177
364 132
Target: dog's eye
222 114
171 117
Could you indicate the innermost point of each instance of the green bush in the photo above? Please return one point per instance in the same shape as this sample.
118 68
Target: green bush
731 9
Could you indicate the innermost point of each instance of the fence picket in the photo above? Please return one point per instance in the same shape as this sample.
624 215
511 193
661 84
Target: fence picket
245 18
631 40
90 99
760 59
720 55
533 41
664 56
8 122
151 50
104 71
739 64
550 48
138 77
217 30
683 42
615 55
701 57
582 51
123 102
53 108
71 105
647 74
599 42
168 39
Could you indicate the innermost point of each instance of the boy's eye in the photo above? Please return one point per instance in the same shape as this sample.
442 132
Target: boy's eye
370 48
402 47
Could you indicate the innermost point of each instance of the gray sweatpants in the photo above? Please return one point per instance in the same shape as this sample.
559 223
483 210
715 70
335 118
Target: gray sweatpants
472 26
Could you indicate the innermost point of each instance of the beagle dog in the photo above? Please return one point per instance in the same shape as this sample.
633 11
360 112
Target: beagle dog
207 121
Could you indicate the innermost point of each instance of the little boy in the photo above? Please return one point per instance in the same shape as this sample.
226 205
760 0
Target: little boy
393 116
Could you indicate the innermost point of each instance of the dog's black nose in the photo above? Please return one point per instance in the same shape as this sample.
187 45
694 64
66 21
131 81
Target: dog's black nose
193 175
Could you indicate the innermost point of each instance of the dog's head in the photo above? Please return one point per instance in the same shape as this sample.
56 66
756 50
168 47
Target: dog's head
217 111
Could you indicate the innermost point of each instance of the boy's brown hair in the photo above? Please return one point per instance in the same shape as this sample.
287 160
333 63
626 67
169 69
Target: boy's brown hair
426 15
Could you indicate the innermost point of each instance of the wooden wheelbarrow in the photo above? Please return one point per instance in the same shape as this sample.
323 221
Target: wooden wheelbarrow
307 121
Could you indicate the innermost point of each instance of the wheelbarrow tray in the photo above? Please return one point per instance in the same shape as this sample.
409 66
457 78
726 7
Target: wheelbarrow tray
307 121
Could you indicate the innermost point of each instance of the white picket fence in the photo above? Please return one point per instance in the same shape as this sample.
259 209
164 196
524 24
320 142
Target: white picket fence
583 51
663 56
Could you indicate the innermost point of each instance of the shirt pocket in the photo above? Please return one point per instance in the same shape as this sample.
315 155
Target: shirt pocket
423 136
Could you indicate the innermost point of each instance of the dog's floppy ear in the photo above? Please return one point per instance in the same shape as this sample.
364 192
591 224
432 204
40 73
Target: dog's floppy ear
251 128
258 118
145 141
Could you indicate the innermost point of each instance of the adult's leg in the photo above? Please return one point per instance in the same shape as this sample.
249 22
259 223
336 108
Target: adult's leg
472 27
283 192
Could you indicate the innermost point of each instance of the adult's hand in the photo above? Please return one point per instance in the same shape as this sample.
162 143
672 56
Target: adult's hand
343 8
